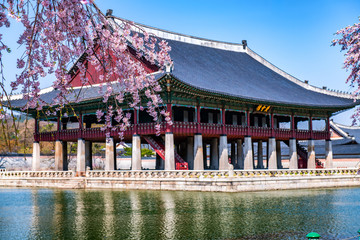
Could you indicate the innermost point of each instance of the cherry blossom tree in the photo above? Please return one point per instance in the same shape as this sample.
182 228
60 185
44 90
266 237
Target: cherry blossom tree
350 42
58 32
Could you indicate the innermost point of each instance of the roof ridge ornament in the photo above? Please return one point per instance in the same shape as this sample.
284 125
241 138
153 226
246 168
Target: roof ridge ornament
109 12
169 67
244 44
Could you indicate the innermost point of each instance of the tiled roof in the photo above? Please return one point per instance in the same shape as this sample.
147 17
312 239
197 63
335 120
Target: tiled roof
238 74
229 69
352 131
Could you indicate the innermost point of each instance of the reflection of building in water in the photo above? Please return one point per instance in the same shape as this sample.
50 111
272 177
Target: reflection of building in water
135 218
169 217
109 220
59 214
212 90
199 216
80 221
35 222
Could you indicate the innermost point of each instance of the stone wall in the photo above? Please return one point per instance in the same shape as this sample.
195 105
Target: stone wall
214 181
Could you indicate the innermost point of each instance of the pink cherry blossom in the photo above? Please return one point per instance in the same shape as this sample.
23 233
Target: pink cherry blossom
58 32
350 42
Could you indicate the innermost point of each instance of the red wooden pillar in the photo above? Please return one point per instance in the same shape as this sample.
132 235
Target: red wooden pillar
169 110
248 123
293 126
36 125
58 128
135 120
36 130
223 120
272 125
80 125
328 128
58 124
310 127
198 120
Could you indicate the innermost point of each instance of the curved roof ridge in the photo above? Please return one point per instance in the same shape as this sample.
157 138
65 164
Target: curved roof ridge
346 126
161 33
21 95
338 128
236 47
293 79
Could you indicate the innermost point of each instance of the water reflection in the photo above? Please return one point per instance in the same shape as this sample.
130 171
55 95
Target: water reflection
136 218
103 214
169 216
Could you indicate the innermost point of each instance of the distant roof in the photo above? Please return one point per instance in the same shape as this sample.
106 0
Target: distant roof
350 131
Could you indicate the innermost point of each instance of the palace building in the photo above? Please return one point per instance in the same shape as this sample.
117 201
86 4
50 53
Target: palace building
218 94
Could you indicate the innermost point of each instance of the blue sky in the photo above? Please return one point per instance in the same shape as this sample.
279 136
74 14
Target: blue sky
293 35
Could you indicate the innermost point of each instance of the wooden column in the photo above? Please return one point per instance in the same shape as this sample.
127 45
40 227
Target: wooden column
198 120
80 121
223 120
311 127
135 120
328 128
293 126
58 123
58 128
36 125
80 125
272 124
36 130
248 123
169 110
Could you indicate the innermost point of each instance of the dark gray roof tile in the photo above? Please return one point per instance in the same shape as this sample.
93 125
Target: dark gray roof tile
238 74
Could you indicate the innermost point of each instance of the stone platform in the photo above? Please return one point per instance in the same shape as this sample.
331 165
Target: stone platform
212 181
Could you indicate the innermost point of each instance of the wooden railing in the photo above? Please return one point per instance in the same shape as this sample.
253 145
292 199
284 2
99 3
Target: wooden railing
184 128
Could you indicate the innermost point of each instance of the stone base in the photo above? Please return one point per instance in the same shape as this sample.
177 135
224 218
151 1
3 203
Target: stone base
223 184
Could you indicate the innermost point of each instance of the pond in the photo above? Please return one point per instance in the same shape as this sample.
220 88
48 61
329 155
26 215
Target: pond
106 214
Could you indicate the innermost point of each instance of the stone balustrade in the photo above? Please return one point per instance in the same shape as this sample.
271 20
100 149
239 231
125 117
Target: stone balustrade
154 174
221 174
37 174
217 181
